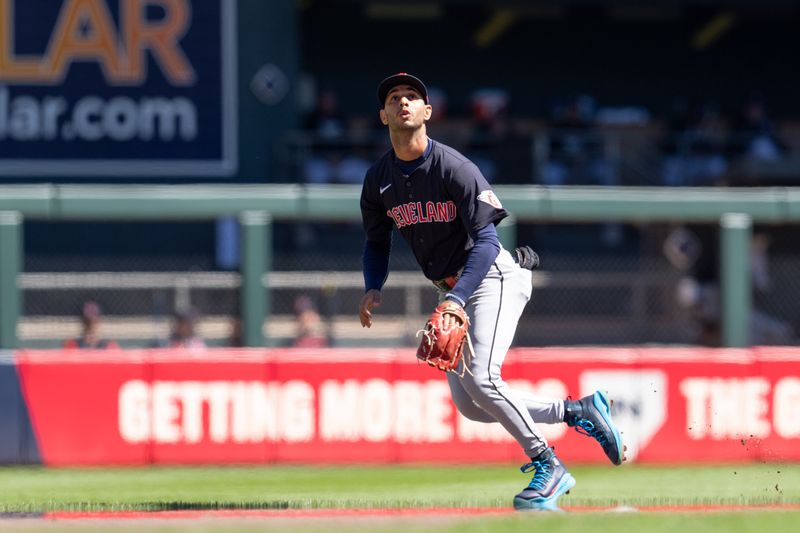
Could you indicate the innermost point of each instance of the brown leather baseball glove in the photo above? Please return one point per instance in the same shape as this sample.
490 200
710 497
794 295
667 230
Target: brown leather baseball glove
442 344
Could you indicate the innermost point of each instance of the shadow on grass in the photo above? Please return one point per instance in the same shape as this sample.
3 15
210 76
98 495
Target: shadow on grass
186 506
37 511
212 506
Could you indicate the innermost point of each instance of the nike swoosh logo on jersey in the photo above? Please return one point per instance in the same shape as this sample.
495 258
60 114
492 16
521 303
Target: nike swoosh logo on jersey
383 189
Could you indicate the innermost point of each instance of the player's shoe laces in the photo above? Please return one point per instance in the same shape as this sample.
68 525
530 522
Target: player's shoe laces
550 480
591 416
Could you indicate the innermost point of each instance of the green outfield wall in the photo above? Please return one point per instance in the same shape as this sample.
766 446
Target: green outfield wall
735 210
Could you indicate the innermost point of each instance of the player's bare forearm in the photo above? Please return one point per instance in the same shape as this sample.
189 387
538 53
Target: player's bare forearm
370 300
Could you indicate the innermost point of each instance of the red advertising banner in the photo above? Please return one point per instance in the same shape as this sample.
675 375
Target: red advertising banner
380 405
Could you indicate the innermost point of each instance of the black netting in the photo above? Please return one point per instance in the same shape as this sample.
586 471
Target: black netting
648 284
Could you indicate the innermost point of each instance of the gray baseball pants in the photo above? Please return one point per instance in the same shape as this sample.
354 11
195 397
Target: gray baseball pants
482 394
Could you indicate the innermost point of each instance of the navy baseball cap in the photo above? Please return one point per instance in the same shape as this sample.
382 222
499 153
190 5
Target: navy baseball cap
401 78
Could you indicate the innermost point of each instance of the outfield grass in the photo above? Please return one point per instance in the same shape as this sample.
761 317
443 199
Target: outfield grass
35 489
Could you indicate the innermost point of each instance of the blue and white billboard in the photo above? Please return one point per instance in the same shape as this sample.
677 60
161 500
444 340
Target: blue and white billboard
117 88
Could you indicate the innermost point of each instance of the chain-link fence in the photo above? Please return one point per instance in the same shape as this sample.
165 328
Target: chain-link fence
598 284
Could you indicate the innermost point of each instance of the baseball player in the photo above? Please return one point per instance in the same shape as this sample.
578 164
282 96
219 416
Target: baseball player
446 211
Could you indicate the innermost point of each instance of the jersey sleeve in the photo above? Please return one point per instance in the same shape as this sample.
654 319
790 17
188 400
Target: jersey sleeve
377 226
477 204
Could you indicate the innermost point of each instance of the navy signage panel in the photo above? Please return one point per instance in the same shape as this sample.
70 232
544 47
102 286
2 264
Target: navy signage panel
17 442
117 88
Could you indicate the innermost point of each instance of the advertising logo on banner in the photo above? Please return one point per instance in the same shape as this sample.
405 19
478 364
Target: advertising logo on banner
117 88
640 402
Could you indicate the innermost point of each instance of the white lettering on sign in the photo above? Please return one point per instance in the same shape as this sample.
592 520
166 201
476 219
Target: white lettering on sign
133 415
726 408
378 410
166 416
220 411
786 408
91 118
339 403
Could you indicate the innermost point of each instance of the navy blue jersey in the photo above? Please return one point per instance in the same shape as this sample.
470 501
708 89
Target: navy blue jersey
436 208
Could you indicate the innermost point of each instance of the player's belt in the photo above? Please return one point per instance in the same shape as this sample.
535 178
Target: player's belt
449 282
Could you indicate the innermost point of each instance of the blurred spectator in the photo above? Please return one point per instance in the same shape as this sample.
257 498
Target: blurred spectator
183 331
695 146
489 106
759 154
764 328
326 120
328 165
331 158
699 290
576 154
336 154
236 336
622 116
310 327
90 334
755 133
500 153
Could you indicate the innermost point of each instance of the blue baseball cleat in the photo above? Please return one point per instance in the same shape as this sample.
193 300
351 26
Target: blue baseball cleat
550 481
591 416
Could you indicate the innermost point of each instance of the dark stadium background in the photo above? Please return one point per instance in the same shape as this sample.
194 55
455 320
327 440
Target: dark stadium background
656 58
